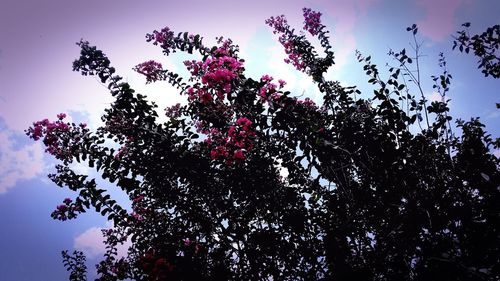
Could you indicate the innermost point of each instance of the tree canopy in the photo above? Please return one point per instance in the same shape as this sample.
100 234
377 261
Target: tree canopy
247 181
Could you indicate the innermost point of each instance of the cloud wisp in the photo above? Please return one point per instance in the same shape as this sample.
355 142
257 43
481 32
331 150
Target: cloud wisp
440 18
18 164
91 242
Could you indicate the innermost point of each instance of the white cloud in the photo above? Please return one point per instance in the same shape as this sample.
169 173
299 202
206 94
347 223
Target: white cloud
81 168
17 164
278 69
434 96
91 242
299 83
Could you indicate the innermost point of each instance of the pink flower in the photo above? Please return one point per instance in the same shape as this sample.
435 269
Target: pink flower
121 152
164 38
193 66
279 24
56 142
161 262
217 71
137 216
173 111
67 201
214 154
62 126
266 78
282 83
206 97
151 69
293 57
312 21
244 122
37 132
218 152
307 102
231 130
227 88
262 92
138 199
238 155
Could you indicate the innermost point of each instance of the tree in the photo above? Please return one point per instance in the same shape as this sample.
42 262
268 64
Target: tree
371 191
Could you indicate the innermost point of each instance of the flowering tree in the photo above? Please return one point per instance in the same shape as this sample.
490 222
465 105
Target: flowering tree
372 191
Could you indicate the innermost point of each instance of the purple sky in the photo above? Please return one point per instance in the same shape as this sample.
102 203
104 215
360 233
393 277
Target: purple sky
37 47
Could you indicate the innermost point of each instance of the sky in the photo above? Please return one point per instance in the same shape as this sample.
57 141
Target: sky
37 48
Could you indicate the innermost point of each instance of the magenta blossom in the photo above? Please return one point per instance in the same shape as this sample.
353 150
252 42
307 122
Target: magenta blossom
307 102
151 69
266 78
173 111
239 155
60 139
138 199
164 38
279 24
312 21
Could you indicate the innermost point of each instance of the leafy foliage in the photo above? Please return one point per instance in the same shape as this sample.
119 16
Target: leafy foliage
75 264
248 182
486 47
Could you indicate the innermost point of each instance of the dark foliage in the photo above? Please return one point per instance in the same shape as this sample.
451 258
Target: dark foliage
371 193
485 46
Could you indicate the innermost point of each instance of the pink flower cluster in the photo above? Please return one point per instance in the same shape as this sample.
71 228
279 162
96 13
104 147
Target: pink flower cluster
156 267
66 211
118 125
268 91
232 147
216 72
224 49
192 246
312 21
201 94
119 268
279 24
138 199
307 102
294 56
46 127
60 139
121 152
173 111
164 38
124 150
151 69
139 210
